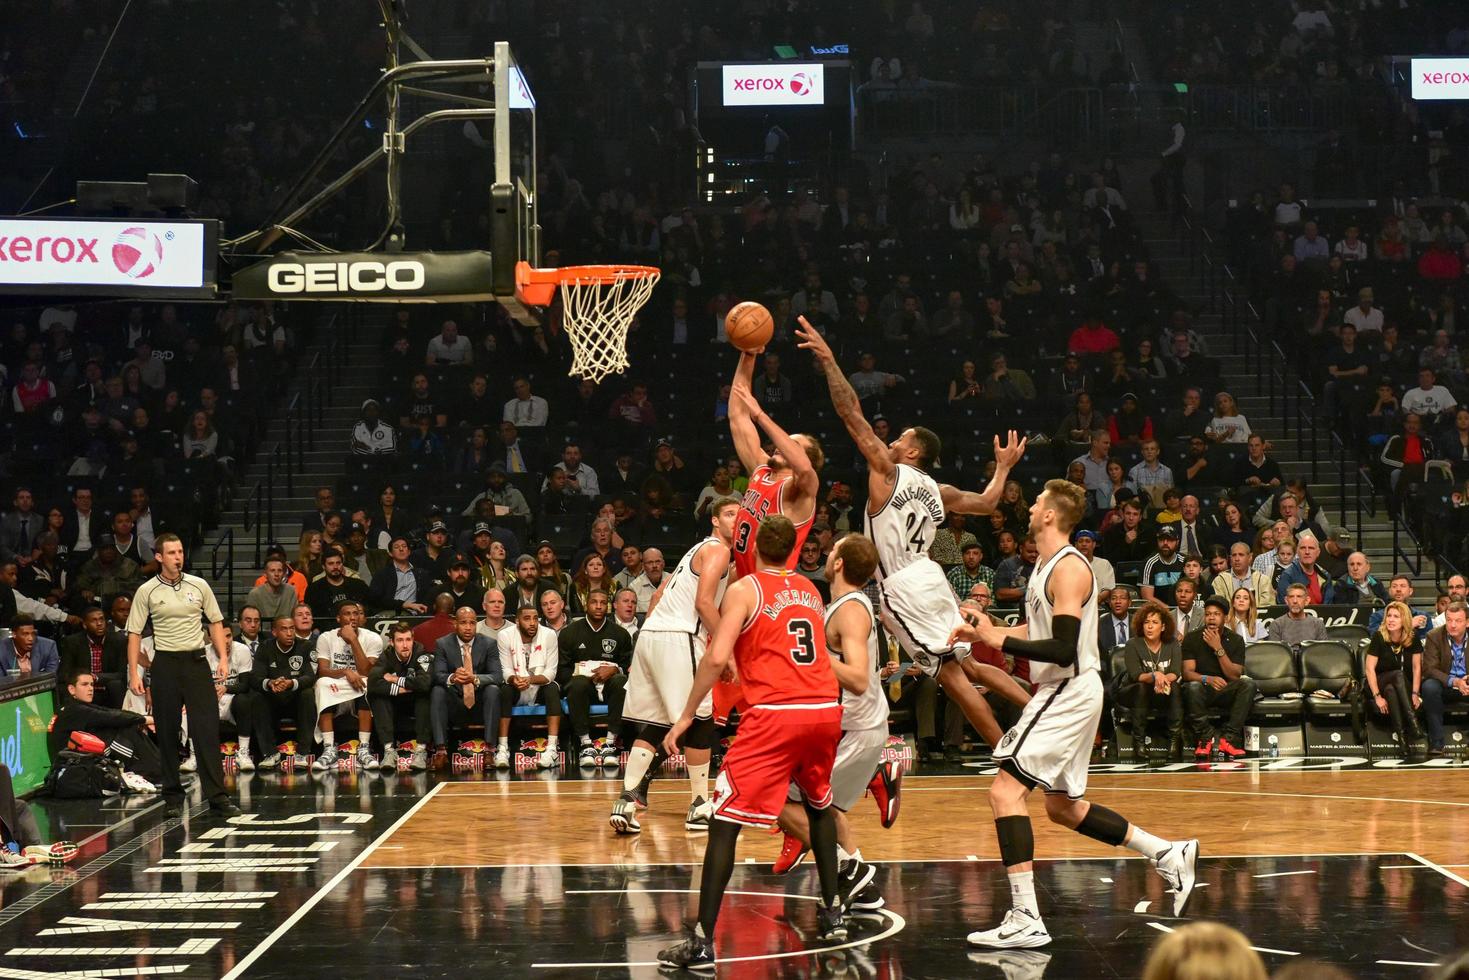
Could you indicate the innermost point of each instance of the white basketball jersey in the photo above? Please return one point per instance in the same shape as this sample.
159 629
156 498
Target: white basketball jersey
1038 614
870 708
905 527
676 611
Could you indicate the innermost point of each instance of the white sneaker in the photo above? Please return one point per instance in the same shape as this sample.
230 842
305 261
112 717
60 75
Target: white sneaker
610 757
701 811
366 760
502 758
11 861
549 758
327 760
1019 930
419 762
390 760
244 763
1020 964
587 757
191 764
1179 866
301 762
272 761
136 783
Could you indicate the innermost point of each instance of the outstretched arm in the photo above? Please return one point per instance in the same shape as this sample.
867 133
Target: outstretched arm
741 428
958 501
844 400
804 480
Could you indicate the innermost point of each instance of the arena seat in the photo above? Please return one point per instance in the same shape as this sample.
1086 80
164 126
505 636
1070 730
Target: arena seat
1349 633
1327 666
1272 666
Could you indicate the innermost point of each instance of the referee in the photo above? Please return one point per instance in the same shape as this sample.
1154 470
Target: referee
177 604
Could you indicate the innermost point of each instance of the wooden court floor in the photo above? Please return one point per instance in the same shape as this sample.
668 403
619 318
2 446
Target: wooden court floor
1245 813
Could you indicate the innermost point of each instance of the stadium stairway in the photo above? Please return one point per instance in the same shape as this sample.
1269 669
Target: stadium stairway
319 463
1169 251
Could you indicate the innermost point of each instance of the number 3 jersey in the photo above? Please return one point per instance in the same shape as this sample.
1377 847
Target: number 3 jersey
781 651
763 498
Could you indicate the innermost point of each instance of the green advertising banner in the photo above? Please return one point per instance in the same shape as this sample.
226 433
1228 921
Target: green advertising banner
25 712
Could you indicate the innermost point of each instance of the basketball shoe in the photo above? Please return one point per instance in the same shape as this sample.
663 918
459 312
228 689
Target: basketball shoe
624 817
886 788
1179 867
695 953
701 811
792 853
1019 930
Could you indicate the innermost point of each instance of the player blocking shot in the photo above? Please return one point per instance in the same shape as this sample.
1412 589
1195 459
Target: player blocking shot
771 625
851 641
1050 746
683 613
918 605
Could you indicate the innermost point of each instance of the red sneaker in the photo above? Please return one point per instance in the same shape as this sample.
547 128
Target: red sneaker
1223 746
792 853
886 788
1204 749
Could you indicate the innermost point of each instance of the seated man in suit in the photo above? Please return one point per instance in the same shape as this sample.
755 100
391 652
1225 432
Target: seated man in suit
1444 672
125 732
466 684
99 652
1114 626
26 651
1188 613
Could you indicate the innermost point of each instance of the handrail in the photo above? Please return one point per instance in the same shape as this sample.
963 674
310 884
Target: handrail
225 542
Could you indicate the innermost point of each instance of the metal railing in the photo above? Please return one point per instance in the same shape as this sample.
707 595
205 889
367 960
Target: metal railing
224 545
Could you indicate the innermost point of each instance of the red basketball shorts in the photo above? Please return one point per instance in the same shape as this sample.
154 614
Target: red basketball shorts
775 748
728 698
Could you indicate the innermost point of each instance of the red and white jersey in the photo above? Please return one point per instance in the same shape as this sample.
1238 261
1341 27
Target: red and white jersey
765 496
781 652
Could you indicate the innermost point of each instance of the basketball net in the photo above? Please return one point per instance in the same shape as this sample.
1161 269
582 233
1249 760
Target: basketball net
597 312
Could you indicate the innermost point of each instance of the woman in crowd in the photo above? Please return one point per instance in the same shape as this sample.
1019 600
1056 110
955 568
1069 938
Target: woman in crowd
1144 361
965 386
308 554
1243 617
389 520
1228 425
474 458
1129 426
1394 655
718 486
549 569
1014 506
1455 445
1232 528
1079 424
494 571
591 575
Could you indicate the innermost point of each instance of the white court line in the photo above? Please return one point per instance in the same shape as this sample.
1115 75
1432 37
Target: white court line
623 865
1142 906
1284 874
108 828
1405 963
611 791
1439 868
324 890
681 891
1416 867
971 857
1259 949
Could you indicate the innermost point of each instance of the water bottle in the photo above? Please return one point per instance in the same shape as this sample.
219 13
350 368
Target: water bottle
1274 751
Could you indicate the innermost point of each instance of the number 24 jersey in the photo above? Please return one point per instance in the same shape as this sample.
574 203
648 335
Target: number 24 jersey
904 529
781 651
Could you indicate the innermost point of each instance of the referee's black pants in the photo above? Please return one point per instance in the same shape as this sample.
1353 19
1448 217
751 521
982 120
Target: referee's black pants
183 680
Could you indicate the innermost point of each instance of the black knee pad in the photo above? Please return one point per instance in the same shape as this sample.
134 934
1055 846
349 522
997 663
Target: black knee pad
1017 840
1100 823
700 734
654 735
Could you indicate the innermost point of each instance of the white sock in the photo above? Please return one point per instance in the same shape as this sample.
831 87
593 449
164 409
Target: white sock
843 857
552 741
364 741
328 740
586 740
504 743
638 761
1022 891
244 741
1145 843
699 782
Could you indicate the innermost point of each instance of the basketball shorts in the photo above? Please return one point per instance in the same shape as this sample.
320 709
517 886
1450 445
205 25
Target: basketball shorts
919 609
858 755
776 748
728 698
661 678
1051 744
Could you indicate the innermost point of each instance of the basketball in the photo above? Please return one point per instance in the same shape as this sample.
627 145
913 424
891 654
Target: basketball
749 325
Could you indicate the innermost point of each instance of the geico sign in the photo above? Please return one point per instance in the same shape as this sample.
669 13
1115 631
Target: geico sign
403 275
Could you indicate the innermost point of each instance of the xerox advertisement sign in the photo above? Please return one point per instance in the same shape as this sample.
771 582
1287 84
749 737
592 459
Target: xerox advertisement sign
125 257
774 84
1440 78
